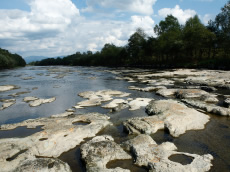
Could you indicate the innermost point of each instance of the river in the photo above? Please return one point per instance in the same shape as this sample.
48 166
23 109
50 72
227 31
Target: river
65 83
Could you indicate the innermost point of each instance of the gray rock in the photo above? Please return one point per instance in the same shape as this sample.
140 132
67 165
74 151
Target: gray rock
7 87
43 164
34 101
156 157
166 92
170 114
190 93
227 102
96 98
210 108
59 135
138 103
97 152
7 103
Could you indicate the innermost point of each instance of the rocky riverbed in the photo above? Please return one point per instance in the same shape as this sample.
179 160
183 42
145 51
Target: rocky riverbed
91 119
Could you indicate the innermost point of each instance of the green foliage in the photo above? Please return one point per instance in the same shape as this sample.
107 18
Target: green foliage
8 60
189 45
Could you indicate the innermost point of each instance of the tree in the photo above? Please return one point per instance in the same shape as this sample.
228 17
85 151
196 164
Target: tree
222 21
135 46
169 37
195 37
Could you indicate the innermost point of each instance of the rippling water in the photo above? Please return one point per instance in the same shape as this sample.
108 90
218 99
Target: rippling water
65 83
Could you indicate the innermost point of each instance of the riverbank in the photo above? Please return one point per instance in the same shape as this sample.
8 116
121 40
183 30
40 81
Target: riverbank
148 118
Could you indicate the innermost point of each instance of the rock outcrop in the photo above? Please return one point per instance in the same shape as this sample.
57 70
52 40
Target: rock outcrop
34 101
7 87
97 152
96 98
169 114
59 135
156 157
210 108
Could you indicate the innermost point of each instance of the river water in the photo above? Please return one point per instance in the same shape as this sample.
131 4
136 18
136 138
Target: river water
65 83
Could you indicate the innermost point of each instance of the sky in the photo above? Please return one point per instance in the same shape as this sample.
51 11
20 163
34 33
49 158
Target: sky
53 28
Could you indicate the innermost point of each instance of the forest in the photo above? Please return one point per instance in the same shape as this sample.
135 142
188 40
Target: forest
9 60
190 45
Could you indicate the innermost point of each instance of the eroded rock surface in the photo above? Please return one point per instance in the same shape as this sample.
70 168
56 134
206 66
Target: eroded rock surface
7 103
99 151
210 108
59 135
138 103
42 165
34 101
156 157
7 87
116 104
170 114
95 98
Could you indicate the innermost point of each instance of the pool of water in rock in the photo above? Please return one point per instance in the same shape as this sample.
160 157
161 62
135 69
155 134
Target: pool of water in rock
65 83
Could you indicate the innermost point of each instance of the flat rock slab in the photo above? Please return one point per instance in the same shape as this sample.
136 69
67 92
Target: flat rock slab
190 93
170 114
96 98
97 152
210 108
7 103
34 101
7 87
42 165
138 103
59 135
147 89
156 157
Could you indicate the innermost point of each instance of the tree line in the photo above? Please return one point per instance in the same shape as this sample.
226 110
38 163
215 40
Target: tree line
9 60
190 45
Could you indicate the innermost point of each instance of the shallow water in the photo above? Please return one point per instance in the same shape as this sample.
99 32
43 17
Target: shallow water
65 83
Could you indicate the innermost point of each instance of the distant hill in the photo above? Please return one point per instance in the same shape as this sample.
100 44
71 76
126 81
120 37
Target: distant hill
38 58
9 60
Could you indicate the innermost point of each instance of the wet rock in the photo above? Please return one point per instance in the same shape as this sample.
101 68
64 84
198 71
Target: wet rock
169 114
208 88
160 82
59 135
43 164
190 93
7 87
28 99
19 93
156 157
227 102
210 108
7 103
34 101
97 152
138 103
116 104
27 78
209 98
65 114
147 89
95 98
70 110
166 92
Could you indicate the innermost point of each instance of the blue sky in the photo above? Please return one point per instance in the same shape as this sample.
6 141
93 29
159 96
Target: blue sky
61 27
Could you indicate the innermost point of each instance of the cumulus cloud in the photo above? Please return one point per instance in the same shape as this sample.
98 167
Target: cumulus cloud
138 6
207 18
181 15
55 28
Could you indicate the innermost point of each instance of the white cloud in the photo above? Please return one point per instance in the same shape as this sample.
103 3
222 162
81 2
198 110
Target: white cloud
207 18
181 15
138 6
55 28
